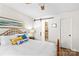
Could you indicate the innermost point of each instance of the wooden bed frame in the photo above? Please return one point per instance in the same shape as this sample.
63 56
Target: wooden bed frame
17 31
59 52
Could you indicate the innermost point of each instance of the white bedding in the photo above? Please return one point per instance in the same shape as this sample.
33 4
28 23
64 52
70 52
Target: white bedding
31 48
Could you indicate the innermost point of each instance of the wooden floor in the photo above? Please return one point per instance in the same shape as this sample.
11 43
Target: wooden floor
68 52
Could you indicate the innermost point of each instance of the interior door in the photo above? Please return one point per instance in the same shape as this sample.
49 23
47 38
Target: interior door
66 32
38 29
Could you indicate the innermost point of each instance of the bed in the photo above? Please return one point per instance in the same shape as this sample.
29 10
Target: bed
30 48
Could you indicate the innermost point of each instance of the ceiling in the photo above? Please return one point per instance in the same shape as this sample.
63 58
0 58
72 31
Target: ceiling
33 9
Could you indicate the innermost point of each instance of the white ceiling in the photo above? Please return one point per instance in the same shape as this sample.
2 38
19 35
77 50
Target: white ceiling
33 10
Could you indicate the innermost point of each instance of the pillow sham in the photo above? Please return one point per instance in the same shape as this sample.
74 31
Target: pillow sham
5 40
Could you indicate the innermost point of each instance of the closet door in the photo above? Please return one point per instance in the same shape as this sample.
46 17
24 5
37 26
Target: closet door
66 32
38 30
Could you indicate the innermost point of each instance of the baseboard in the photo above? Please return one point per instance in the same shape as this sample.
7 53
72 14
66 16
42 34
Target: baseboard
72 49
75 50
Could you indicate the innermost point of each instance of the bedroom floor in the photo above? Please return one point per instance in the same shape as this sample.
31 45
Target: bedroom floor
68 52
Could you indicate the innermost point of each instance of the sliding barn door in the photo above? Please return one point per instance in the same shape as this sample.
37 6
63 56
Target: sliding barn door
38 29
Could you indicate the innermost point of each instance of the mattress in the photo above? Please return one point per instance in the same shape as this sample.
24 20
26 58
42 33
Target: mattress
30 48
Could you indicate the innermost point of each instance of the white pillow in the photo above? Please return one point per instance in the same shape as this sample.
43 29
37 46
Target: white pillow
5 40
18 34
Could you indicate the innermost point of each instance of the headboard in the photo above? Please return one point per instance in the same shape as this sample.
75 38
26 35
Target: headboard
12 25
11 31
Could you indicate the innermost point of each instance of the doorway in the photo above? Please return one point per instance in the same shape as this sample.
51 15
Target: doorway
46 31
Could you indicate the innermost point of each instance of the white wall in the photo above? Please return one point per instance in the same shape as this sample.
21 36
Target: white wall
75 33
11 13
75 28
54 32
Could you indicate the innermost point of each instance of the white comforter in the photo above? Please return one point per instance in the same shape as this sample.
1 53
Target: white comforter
32 48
